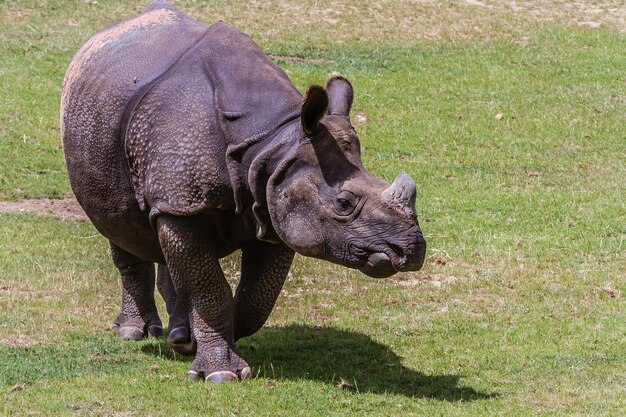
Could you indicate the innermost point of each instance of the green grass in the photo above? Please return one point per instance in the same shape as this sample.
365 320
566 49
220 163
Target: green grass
519 309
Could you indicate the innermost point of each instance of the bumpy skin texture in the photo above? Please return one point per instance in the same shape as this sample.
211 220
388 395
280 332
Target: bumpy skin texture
184 143
189 250
179 335
264 269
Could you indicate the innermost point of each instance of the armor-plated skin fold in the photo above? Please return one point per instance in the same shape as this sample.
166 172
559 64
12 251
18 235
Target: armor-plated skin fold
184 143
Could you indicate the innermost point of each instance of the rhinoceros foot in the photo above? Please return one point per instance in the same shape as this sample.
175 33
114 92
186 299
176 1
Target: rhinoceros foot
181 340
224 370
226 376
131 330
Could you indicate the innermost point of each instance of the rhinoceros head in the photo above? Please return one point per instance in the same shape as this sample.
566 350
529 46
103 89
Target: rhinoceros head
326 205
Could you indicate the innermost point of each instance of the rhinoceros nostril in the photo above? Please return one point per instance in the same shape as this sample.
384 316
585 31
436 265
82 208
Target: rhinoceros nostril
397 250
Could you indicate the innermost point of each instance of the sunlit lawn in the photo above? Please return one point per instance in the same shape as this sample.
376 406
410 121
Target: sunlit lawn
514 130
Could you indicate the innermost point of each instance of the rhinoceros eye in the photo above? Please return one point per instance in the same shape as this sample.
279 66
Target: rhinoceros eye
345 203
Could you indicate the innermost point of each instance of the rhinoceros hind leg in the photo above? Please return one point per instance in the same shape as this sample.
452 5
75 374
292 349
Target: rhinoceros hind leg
139 317
179 335
197 276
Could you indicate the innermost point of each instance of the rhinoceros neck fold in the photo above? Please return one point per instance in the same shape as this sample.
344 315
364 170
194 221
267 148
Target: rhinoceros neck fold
272 160
253 99
252 163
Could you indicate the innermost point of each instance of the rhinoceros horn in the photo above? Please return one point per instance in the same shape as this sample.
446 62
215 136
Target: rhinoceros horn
401 194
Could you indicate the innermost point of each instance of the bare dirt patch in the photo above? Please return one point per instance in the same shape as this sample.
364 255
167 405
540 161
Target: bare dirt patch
21 341
65 209
26 294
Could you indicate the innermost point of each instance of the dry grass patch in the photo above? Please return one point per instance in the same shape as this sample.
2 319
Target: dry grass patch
324 23
394 22
590 14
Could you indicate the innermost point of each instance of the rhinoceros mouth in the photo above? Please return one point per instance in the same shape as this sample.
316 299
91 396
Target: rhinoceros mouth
378 265
380 261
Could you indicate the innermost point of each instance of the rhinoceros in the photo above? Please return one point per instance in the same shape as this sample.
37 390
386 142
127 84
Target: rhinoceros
184 143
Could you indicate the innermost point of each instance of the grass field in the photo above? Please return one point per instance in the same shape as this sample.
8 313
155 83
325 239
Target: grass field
510 116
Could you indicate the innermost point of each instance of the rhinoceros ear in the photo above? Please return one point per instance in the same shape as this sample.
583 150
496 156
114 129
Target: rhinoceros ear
313 108
340 95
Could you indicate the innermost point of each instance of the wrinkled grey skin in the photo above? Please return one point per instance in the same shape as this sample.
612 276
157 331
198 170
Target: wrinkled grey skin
184 143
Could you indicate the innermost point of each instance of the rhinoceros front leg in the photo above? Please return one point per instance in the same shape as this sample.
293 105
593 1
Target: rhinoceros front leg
179 335
191 259
264 267
139 317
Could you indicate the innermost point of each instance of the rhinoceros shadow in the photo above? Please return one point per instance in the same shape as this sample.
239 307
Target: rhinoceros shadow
331 355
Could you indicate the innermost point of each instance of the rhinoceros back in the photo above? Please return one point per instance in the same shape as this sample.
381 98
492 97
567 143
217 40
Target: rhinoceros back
106 73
